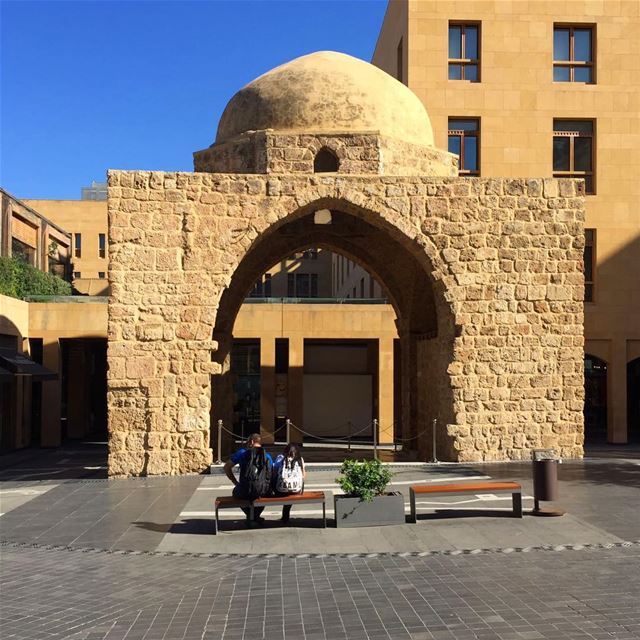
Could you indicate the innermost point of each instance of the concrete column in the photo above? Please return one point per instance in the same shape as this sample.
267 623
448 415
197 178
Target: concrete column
51 395
267 387
617 393
385 390
296 381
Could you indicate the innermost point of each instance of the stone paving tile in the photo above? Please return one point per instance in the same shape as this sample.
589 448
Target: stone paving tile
81 595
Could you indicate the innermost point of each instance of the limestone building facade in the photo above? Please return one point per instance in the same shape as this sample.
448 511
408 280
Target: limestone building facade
546 88
484 274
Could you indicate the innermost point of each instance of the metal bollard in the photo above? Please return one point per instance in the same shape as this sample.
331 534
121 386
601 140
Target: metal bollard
375 438
219 460
434 427
288 425
350 429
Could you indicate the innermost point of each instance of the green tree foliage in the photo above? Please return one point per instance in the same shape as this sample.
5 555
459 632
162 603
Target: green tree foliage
365 479
19 279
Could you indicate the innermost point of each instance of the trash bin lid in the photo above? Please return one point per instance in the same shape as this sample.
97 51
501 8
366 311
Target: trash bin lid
544 454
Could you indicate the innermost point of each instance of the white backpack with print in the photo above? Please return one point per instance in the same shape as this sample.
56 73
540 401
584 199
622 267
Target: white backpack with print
290 478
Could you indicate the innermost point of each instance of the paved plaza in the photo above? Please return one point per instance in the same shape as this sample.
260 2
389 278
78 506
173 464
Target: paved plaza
85 557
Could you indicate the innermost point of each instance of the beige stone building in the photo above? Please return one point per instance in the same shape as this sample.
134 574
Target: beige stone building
484 274
86 220
546 88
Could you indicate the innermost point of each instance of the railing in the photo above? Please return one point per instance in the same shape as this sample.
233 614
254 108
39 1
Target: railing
348 439
315 301
71 299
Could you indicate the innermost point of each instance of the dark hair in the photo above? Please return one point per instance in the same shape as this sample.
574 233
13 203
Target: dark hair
255 437
292 450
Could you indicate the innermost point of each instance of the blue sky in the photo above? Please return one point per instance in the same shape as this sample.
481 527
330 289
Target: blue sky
87 86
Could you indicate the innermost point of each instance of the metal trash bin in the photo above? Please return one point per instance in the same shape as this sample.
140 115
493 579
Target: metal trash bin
545 481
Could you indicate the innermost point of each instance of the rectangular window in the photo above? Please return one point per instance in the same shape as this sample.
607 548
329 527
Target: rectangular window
574 151
256 292
22 251
77 245
314 285
101 275
400 62
573 53
267 285
77 275
464 141
302 285
589 263
102 245
464 51
291 285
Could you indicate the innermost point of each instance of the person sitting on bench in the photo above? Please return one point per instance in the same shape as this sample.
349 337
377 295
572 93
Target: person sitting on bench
256 467
288 475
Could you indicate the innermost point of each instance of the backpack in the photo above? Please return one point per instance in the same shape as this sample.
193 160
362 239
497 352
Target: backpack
290 478
255 474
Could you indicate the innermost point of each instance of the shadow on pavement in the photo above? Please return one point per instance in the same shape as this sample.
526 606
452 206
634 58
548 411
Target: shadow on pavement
73 460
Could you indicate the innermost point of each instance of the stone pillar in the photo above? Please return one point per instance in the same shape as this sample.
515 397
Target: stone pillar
617 393
267 388
385 390
296 385
50 433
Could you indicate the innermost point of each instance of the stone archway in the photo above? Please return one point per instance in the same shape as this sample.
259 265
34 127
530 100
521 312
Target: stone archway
424 315
502 260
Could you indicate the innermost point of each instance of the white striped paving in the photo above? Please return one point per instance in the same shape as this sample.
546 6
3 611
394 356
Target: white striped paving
224 513
327 486
17 496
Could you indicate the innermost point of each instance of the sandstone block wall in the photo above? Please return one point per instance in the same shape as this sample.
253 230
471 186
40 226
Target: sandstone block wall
503 376
293 153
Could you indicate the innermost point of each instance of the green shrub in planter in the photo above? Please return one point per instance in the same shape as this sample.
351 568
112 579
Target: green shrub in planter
365 479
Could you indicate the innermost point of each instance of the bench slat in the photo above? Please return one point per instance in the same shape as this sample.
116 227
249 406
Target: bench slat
468 487
475 487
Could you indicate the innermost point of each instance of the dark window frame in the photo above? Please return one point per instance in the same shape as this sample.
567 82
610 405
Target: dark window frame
462 134
463 61
572 135
102 245
571 63
77 245
590 246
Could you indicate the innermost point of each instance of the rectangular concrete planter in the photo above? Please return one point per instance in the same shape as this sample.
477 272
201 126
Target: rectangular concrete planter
382 510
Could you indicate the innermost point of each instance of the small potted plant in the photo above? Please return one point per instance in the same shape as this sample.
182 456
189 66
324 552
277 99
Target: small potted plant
366 502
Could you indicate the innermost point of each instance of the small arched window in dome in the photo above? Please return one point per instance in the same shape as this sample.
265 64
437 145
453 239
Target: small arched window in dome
325 161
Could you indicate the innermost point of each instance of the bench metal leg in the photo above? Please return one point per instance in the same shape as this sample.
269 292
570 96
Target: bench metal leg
251 513
412 502
324 515
216 525
517 504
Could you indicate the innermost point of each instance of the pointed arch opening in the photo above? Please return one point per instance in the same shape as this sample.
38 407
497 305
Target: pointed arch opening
410 363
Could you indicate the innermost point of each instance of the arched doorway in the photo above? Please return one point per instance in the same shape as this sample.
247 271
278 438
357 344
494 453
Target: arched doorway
424 319
633 400
595 399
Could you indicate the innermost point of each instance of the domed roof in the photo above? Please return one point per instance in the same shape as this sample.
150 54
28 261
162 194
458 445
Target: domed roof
327 92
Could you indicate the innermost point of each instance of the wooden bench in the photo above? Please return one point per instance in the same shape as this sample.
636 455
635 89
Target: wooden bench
308 497
465 488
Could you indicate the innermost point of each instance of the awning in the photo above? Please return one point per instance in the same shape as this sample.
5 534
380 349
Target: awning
16 363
